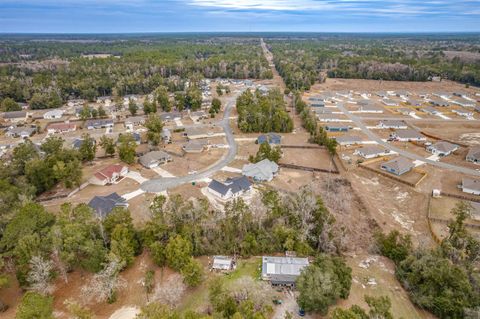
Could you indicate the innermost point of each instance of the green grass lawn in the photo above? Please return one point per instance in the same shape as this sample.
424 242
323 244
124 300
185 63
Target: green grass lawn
198 297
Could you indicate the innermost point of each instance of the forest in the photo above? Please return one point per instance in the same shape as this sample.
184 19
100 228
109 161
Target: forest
303 60
47 73
265 113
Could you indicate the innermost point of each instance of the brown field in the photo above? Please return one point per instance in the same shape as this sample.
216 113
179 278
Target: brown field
316 158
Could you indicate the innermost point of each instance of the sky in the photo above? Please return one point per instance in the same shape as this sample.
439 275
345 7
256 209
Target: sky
138 16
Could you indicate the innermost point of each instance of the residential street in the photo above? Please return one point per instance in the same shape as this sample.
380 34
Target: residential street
359 123
160 184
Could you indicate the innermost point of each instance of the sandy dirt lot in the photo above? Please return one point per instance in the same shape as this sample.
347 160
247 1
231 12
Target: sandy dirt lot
316 158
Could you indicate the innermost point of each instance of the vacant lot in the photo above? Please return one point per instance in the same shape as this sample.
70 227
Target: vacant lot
315 158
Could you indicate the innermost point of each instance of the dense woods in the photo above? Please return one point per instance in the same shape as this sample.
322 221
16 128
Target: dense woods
444 280
45 73
259 112
302 61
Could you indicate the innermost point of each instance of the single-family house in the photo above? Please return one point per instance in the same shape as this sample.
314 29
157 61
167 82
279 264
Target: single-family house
319 111
442 148
270 138
413 102
473 155
166 136
398 166
336 128
20 131
55 128
154 159
402 94
53 114
231 188
382 94
430 110
282 271
371 151
103 205
263 171
462 112
332 118
407 135
369 108
443 95
195 133
389 102
99 123
223 263
15 116
392 124
137 137
439 102
194 147
406 111
317 104
471 186
346 140
111 174
133 121
171 116
464 102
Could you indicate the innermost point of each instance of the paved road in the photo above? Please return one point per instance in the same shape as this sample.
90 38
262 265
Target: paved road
160 184
359 123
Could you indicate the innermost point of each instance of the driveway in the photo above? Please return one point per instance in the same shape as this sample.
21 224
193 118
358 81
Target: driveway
372 136
160 184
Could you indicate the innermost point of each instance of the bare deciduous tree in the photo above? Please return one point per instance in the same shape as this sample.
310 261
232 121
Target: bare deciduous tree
171 291
40 275
303 205
104 284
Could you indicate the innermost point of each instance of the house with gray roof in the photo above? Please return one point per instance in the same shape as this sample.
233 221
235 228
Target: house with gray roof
392 124
15 116
270 138
471 186
413 102
439 102
389 102
442 148
154 159
170 116
194 147
99 123
263 171
337 128
282 271
407 135
348 140
398 166
473 155
133 121
231 188
430 110
406 111
463 113
223 263
21 131
371 151
103 205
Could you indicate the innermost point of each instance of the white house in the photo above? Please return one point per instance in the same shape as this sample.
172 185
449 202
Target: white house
463 113
53 114
61 128
408 135
389 124
231 188
389 102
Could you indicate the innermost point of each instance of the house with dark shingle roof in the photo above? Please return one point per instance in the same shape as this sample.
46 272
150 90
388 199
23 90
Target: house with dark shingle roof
231 188
270 138
103 205
407 135
15 116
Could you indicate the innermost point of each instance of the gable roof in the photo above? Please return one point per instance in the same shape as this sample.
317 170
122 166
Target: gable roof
235 185
471 183
103 205
109 171
371 150
399 164
15 115
153 157
262 171
408 133
474 152
444 147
